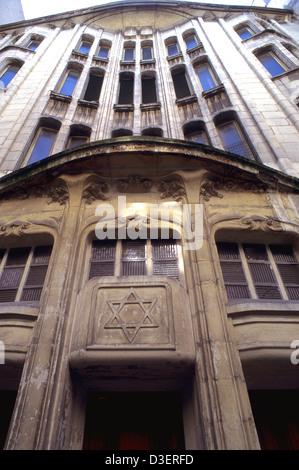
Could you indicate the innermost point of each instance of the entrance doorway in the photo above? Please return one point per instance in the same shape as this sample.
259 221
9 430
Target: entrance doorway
134 421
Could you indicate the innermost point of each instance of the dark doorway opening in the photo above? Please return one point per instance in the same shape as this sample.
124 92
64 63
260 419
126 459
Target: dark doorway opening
134 421
276 415
7 403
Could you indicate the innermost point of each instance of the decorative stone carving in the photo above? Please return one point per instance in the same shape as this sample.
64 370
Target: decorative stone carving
131 314
58 193
261 223
208 189
95 191
173 189
134 182
15 228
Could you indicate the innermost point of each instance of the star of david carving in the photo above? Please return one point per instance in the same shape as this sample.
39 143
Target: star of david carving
131 314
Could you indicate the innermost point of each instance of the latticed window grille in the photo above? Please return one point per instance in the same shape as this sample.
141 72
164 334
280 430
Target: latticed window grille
22 273
134 258
259 271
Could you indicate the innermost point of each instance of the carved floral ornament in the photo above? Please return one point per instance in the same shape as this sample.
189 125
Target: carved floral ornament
168 189
57 192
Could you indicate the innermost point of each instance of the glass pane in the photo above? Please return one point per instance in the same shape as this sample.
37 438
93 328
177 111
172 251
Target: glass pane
69 83
205 77
85 47
77 141
146 53
149 94
43 145
173 49
33 45
271 64
191 42
181 85
244 33
94 87
129 55
8 75
134 249
103 52
199 137
126 91
232 140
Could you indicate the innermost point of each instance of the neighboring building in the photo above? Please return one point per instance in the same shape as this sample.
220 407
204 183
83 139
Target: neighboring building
11 11
108 114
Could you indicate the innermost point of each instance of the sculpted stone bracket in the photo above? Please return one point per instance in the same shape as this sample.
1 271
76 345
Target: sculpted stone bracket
55 192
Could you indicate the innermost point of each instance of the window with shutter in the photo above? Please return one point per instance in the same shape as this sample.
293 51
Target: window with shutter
102 258
23 274
134 258
267 269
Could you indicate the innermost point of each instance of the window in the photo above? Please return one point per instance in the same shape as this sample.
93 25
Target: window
244 32
134 258
147 53
195 132
126 89
94 87
180 82
233 139
9 74
206 77
70 82
148 86
42 145
259 271
271 63
33 44
128 54
23 272
79 135
191 41
173 49
85 47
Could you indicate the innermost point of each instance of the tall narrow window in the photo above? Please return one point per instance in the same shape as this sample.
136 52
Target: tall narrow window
126 89
173 49
128 54
42 145
85 47
191 41
233 140
103 52
8 74
79 135
206 77
147 53
94 87
102 261
23 274
265 272
272 63
244 32
181 85
149 93
33 44
134 257
70 82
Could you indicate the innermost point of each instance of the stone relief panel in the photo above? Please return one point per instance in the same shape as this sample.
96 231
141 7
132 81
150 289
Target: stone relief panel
131 316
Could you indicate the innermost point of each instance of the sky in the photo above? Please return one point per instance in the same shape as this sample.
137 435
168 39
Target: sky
40 8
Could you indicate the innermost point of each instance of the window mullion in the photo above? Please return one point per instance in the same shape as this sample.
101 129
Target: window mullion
276 274
24 275
149 262
118 258
247 273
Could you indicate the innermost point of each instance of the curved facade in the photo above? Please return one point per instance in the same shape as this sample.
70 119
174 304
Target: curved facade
149 227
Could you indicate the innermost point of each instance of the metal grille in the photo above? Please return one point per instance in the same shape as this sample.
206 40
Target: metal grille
133 268
12 273
102 258
167 268
134 258
288 269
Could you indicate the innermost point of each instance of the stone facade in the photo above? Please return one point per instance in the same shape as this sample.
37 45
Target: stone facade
150 331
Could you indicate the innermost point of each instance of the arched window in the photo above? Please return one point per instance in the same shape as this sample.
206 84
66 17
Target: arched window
9 72
85 44
181 83
206 76
273 60
126 88
43 141
172 46
147 50
232 135
195 132
190 39
104 49
148 88
94 85
34 41
79 135
129 52
70 80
